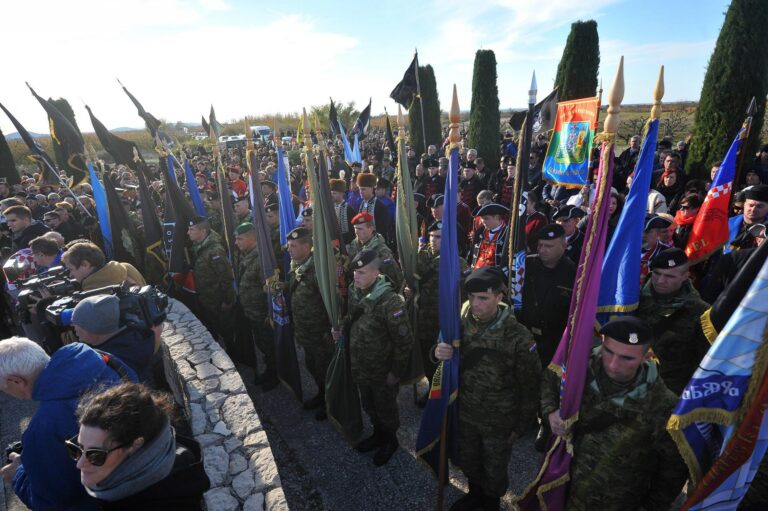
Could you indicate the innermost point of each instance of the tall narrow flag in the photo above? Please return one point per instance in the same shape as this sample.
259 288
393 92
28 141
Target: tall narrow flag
710 229
544 114
8 168
567 159
125 240
194 193
102 211
620 283
155 261
720 425
333 119
349 155
119 149
47 167
362 123
405 90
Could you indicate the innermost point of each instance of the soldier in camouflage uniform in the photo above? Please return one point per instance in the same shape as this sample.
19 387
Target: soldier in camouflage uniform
272 215
380 343
498 388
213 278
254 302
427 321
213 207
311 327
242 208
672 307
366 238
623 456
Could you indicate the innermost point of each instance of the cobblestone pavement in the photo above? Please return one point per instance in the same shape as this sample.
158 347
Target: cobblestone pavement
320 470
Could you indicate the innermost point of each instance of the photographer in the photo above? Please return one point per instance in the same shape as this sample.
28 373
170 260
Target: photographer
96 320
43 476
46 253
87 264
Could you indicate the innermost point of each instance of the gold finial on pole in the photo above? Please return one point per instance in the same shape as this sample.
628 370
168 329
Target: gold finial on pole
248 135
615 95
454 116
658 93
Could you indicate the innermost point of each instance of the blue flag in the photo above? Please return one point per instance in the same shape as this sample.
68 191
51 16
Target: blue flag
348 154
194 193
102 212
445 383
356 151
287 217
620 282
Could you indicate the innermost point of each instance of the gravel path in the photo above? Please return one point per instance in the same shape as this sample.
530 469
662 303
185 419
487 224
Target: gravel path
320 470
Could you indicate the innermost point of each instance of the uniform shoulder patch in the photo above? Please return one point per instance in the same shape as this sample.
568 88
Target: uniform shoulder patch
215 257
398 313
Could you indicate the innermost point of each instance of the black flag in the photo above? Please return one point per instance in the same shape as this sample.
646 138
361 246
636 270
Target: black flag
48 172
391 138
8 168
206 126
155 262
333 119
544 114
362 124
120 150
125 239
405 90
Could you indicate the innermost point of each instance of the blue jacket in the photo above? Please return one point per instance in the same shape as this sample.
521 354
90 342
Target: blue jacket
135 348
734 224
48 479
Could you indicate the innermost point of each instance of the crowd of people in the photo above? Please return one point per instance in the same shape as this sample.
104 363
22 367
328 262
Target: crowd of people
639 366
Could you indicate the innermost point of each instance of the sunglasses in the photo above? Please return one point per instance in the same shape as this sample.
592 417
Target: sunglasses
96 457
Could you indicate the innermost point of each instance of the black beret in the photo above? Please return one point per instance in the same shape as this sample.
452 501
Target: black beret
436 201
655 222
244 227
307 211
436 226
272 206
269 183
568 211
492 208
670 258
198 220
364 258
550 232
419 196
242 198
757 230
486 279
628 330
756 192
382 183
299 233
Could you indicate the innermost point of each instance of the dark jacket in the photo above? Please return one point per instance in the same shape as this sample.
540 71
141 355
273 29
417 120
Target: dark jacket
71 230
135 348
22 239
182 490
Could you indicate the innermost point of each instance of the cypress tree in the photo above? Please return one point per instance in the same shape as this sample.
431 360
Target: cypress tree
484 117
577 71
434 132
737 71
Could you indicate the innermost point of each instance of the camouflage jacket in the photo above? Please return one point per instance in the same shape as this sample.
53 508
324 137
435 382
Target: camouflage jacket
623 456
427 276
250 286
498 373
310 319
676 325
277 248
380 336
213 273
389 266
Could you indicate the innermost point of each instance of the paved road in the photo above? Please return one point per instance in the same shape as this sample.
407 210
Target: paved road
14 417
320 470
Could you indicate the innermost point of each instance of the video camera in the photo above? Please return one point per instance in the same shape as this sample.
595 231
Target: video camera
55 281
140 307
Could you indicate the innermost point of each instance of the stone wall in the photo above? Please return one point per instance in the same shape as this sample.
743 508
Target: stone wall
236 451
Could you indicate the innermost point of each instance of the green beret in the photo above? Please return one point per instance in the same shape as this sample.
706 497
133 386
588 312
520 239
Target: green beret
244 228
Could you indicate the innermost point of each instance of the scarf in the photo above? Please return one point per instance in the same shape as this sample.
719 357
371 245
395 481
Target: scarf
150 464
681 218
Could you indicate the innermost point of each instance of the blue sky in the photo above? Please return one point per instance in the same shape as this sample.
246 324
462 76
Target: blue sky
246 57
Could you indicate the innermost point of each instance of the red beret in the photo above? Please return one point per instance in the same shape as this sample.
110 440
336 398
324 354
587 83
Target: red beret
362 218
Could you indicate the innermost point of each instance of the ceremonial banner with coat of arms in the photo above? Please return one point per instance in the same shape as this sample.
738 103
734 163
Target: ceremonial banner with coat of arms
567 159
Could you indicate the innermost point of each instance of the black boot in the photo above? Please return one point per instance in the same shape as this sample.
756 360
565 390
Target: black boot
491 503
372 442
472 500
321 414
315 402
542 437
386 451
422 401
260 377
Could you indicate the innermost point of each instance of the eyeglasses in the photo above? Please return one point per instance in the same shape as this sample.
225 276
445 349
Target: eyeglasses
96 457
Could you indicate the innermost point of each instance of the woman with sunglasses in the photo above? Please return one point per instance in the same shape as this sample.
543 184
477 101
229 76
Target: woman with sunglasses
129 456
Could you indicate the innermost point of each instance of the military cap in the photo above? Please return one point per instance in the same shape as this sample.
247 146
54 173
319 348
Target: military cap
299 233
307 212
269 183
436 201
486 279
271 207
492 208
362 218
669 258
197 220
550 232
436 226
442 161
338 185
757 230
212 195
655 222
244 227
567 212
364 258
419 197
233 168
756 192
367 180
628 330
242 198
382 183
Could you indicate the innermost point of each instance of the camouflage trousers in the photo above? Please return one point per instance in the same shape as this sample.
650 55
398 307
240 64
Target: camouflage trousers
219 324
317 357
428 334
380 403
264 340
484 455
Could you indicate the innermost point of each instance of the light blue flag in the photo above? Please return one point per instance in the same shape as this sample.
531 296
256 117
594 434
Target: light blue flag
356 151
620 282
287 217
102 212
194 193
348 155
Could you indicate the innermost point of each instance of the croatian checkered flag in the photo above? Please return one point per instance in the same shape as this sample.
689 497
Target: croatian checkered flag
710 230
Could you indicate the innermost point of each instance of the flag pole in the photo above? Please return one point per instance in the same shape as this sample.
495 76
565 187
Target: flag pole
743 150
421 101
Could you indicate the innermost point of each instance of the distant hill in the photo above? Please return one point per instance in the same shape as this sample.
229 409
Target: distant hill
122 130
16 136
